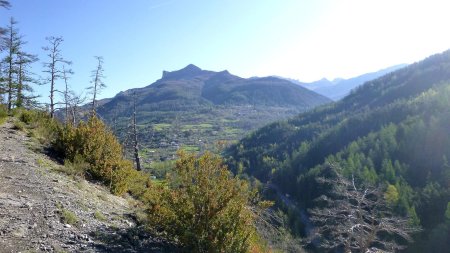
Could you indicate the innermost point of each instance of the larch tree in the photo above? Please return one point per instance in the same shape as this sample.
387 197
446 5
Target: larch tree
356 219
25 79
53 67
12 46
97 84
2 83
4 4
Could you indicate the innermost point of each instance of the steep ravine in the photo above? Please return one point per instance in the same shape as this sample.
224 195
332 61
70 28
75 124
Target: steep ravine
34 198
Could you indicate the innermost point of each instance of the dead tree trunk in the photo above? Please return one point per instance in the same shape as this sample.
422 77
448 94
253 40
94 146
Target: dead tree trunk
135 137
51 67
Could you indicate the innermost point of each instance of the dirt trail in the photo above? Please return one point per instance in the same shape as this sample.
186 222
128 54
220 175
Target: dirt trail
34 197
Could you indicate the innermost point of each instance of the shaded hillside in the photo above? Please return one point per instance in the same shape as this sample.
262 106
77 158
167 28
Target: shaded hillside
392 130
194 86
193 109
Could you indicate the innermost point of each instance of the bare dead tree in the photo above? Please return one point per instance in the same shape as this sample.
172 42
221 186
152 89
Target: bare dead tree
137 158
97 82
356 219
271 226
67 92
52 67
75 101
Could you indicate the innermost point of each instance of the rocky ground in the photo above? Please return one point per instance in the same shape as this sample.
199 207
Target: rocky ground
44 210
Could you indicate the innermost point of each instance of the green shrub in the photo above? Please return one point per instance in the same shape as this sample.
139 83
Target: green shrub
101 155
3 113
19 125
27 117
77 167
206 209
99 216
68 217
44 128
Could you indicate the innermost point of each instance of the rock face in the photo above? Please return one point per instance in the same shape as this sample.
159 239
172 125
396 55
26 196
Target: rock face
43 210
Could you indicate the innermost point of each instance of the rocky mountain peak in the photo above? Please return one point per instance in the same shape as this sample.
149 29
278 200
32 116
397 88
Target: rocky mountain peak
188 71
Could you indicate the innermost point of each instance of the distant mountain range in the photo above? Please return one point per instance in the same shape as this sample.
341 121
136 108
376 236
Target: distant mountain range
339 87
194 108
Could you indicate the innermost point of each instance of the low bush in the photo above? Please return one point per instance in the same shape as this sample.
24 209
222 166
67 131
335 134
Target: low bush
3 113
76 167
28 117
99 216
19 125
44 128
94 149
206 209
68 217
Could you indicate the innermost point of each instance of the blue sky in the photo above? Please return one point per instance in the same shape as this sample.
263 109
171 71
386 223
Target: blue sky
304 40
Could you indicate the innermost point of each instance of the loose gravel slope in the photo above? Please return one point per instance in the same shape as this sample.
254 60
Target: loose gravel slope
43 210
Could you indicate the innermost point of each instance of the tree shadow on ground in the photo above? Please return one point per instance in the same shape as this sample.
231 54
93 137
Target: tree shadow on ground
132 240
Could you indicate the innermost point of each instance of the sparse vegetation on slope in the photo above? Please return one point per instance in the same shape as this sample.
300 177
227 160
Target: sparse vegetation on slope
44 210
201 205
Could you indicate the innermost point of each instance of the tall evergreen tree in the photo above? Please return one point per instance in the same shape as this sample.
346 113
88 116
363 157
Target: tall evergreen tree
2 83
12 46
4 4
25 79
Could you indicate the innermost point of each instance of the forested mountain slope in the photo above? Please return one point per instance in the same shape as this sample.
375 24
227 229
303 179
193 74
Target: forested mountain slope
391 131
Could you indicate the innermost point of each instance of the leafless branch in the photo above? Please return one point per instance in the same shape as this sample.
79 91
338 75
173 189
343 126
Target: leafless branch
357 219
